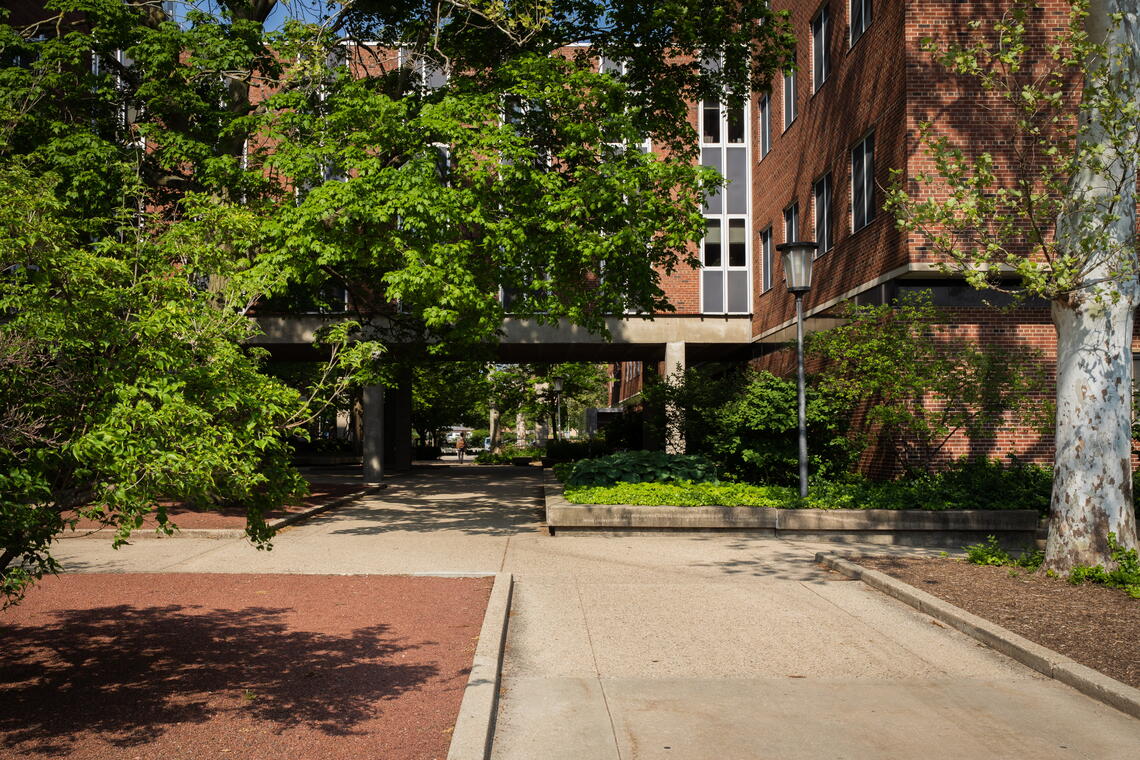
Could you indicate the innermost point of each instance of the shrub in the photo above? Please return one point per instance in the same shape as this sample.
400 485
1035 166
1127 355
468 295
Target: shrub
507 454
747 424
640 467
1126 574
991 553
427 452
574 450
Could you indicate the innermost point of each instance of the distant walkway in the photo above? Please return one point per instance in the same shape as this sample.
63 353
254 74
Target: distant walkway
677 646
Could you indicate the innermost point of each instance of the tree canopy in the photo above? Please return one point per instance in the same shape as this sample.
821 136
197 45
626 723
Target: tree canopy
165 177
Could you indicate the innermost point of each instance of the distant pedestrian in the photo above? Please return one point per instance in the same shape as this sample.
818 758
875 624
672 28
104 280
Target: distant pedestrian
461 446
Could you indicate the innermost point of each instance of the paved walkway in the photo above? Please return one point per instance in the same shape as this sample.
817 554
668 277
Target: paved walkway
677 646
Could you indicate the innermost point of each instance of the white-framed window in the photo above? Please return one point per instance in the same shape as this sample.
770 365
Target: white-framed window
428 75
766 258
820 62
860 18
792 222
725 258
821 202
618 68
789 96
863 183
765 124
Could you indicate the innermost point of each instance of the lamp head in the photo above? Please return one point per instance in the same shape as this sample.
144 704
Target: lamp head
797 257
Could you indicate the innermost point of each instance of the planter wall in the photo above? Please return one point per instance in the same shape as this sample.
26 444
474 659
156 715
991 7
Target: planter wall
950 528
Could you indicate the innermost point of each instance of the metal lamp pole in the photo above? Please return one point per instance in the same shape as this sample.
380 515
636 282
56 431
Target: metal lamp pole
798 257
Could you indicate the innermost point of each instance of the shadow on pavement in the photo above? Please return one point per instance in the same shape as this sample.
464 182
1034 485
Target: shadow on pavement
126 674
470 500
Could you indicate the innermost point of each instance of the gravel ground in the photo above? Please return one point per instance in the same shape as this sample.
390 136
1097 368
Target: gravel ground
232 517
304 667
1096 626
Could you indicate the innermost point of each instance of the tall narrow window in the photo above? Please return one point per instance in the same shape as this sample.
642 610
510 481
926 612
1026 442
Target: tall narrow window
792 223
860 18
765 124
863 183
789 96
821 192
725 259
766 255
820 63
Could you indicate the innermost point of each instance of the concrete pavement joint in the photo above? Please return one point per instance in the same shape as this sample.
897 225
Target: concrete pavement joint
475 726
1045 661
597 670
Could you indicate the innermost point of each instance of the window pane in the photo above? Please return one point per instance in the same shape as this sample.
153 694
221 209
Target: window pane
737 176
611 67
712 256
738 292
791 223
789 99
711 119
869 176
736 125
858 199
766 253
823 213
765 126
737 243
712 291
712 158
856 20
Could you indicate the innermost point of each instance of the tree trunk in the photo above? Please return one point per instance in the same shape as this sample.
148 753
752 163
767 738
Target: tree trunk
1092 486
495 431
1092 476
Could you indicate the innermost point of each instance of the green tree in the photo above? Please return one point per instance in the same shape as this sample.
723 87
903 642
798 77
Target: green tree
1058 211
921 387
446 394
171 174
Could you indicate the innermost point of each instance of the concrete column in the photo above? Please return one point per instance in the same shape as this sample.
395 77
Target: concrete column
674 373
373 419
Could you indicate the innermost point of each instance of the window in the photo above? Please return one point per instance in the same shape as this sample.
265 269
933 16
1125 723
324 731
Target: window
725 259
765 125
618 68
789 96
791 223
863 183
820 64
821 191
766 254
860 18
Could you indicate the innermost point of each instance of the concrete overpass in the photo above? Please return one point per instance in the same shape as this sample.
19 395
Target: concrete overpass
678 340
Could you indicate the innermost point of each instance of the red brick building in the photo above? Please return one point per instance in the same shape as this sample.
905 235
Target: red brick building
820 149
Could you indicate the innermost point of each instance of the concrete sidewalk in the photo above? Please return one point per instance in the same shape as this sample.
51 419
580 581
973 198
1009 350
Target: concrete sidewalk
678 646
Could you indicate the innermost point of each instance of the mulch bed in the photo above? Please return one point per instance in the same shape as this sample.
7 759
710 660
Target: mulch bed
1096 626
188 518
304 667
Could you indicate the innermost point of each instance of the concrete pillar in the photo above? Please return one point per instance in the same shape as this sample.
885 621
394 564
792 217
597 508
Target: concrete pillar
398 425
674 373
373 419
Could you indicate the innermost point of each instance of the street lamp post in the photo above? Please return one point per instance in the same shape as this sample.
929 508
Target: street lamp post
798 257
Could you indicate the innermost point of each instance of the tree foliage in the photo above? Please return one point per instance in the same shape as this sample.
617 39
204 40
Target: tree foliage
162 177
920 386
1053 214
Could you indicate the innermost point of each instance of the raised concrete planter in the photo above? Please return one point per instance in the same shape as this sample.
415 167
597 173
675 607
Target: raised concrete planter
951 528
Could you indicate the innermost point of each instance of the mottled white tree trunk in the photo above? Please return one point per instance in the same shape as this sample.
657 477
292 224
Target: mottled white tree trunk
1092 488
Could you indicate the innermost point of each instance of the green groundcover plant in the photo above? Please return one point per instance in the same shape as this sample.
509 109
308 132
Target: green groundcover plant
1124 575
978 484
639 467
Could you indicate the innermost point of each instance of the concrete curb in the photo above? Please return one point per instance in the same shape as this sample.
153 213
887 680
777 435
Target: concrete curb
224 533
1045 661
475 726
949 528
